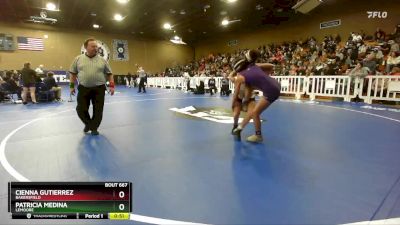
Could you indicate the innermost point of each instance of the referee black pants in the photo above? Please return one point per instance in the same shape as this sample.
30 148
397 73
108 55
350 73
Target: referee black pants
94 95
141 85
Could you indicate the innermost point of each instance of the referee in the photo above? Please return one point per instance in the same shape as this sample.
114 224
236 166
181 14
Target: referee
143 80
92 71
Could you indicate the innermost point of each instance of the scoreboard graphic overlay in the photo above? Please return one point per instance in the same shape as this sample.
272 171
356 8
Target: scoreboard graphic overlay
70 200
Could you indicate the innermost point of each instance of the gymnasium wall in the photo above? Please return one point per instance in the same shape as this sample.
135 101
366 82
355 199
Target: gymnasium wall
352 13
63 45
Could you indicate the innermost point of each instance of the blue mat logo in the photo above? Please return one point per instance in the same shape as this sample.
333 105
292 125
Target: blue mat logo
218 115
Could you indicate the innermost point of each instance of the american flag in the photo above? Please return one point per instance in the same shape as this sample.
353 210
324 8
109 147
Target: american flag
33 44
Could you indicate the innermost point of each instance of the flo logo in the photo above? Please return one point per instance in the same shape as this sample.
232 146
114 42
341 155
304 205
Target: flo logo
219 115
377 14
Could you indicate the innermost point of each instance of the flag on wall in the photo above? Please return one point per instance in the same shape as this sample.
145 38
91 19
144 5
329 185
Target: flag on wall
120 50
32 44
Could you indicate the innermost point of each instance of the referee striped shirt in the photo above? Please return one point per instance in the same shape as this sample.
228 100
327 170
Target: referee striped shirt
141 73
91 71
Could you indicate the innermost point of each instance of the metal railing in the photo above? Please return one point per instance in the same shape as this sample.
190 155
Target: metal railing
385 88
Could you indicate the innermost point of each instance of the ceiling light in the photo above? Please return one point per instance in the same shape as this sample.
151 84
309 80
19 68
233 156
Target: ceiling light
231 1
96 26
118 17
226 22
177 40
123 1
206 7
51 6
180 42
46 36
167 26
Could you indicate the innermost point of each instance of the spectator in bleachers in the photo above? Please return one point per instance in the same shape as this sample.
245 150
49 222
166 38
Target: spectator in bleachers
336 38
362 50
370 62
396 34
392 61
395 71
354 52
394 47
378 54
356 38
385 48
331 68
28 79
379 35
340 54
359 70
52 85
380 70
309 56
348 61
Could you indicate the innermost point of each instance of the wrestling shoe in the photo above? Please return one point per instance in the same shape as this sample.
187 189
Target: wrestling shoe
255 138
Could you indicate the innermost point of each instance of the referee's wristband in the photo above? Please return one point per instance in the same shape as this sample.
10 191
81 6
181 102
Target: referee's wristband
112 85
71 85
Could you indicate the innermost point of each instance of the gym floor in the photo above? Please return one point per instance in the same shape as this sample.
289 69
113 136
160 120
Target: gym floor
320 162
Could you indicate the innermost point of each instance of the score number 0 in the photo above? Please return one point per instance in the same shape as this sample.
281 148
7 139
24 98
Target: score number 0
121 195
